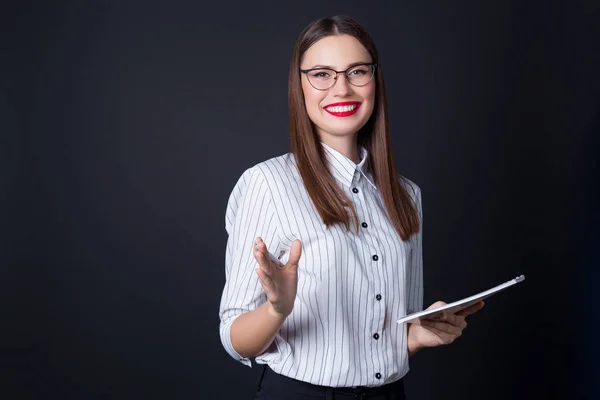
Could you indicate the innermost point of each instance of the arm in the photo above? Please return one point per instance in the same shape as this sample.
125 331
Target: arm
430 333
246 328
253 332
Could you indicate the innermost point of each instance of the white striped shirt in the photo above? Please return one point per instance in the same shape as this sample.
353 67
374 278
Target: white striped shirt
351 287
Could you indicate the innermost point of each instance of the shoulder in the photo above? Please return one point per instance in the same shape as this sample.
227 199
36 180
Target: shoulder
277 168
266 173
273 172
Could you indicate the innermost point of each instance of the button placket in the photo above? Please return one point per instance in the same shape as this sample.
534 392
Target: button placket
358 199
369 240
373 245
379 345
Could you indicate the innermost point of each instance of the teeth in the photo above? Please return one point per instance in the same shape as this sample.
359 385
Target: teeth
341 108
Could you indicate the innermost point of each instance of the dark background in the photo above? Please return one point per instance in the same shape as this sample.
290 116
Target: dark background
126 124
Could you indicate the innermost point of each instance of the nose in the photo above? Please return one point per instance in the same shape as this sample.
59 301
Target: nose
341 87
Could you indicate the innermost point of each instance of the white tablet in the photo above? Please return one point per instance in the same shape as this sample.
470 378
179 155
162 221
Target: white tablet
456 306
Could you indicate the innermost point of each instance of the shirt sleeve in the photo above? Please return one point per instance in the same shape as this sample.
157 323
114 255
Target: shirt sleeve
250 214
415 271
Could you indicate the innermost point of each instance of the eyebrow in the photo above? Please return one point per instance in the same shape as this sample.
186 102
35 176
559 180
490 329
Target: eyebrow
349 65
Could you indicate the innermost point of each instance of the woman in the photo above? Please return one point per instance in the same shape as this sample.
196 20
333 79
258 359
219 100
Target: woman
324 248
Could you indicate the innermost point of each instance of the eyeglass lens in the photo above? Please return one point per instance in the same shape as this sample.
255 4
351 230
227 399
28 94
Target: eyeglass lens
325 78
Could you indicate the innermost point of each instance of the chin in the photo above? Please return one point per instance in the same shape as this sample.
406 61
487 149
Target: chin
345 129
344 126
340 127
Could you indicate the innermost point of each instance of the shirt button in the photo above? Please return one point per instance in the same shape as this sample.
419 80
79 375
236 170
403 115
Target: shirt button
378 297
375 258
354 190
376 336
378 375
364 225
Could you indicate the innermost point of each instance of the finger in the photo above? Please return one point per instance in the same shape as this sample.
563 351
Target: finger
295 253
450 318
436 315
261 246
269 259
263 261
266 282
471 309
437 304
443 336
442 326
456 320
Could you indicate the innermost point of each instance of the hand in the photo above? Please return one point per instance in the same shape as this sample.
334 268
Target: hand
280 282
444 329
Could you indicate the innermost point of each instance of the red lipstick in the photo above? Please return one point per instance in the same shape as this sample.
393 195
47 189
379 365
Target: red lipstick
337 112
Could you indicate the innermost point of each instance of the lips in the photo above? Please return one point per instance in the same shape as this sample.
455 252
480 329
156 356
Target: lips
343 109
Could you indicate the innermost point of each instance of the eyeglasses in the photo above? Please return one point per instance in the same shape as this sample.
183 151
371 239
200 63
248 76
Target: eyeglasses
325 78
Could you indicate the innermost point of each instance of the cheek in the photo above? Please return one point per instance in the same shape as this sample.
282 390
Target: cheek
368 95
312 99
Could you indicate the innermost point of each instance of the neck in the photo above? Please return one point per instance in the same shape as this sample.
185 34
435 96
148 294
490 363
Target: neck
345 145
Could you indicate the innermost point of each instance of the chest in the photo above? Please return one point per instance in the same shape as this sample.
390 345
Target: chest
371 252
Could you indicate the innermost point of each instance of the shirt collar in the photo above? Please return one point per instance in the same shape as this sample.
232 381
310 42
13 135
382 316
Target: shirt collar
344 169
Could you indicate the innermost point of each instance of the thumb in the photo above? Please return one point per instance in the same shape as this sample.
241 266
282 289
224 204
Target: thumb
295 253
435 315
437 304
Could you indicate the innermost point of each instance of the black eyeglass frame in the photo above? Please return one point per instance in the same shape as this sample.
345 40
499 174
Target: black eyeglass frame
306 71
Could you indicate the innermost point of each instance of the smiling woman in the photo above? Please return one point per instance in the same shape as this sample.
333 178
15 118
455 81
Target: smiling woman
350 91
324 245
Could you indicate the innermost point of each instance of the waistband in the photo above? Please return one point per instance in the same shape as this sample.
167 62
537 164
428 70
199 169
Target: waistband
278 384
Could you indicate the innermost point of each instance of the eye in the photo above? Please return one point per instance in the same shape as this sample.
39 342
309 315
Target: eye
320 73
362 70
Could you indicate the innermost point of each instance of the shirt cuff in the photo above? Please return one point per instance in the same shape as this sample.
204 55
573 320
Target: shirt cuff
225 331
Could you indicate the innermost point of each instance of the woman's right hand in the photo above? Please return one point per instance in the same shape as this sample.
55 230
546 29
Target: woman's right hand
280 282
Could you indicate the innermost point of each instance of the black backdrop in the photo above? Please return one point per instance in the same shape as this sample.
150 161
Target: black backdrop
126 124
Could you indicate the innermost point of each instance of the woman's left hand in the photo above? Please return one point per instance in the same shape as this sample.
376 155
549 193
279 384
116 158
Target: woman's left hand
444 329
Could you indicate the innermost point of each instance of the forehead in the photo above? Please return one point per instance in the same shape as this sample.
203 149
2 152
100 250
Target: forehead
337 51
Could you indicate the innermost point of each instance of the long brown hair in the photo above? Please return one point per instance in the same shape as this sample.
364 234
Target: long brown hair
329 200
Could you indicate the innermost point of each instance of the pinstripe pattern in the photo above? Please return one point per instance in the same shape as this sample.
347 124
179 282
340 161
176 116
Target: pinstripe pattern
328 339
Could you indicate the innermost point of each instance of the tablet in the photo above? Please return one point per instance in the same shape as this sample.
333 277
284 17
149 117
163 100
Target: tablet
456 306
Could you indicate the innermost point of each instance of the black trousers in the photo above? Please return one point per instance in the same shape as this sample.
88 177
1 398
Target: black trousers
273 386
